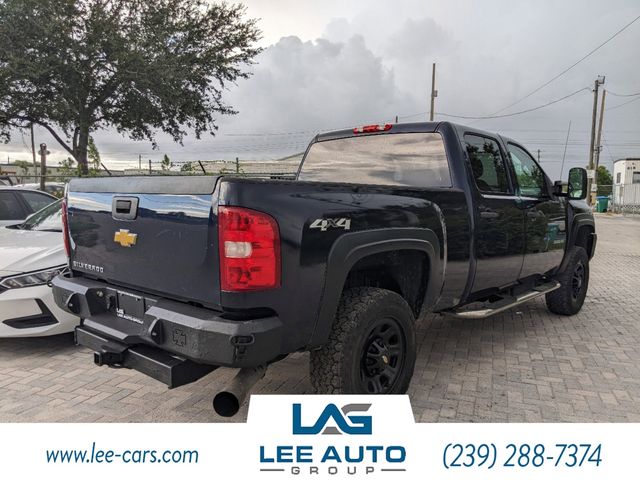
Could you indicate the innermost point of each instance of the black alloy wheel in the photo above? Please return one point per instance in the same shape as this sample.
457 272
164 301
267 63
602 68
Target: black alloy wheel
577 280
574 283
383 357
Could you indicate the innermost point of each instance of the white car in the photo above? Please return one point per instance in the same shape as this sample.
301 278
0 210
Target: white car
31 254
52 188
17 203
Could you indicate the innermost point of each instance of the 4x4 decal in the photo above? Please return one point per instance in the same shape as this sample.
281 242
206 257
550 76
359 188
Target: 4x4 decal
326 223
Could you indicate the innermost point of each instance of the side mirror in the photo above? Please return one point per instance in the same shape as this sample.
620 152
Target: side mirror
560 188
577 188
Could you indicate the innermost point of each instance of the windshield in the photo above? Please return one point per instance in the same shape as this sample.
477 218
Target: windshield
48 219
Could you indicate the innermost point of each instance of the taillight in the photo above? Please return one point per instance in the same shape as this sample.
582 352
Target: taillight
65 228
249 245
373 128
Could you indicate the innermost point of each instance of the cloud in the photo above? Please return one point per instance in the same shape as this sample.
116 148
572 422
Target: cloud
418 40
319 85
297 89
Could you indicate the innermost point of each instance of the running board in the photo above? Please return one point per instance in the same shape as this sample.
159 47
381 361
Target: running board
487 309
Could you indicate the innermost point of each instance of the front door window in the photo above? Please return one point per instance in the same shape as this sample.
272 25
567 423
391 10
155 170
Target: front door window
529 176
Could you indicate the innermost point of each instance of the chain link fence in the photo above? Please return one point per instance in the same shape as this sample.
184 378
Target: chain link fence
626 198
55 178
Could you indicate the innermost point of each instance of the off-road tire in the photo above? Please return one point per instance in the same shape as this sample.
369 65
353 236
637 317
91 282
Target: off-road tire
342 365
569 298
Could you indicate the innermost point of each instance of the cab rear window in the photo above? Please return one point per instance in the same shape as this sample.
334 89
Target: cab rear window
402 159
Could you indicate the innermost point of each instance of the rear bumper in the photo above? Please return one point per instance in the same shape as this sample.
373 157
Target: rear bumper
198 334
169 369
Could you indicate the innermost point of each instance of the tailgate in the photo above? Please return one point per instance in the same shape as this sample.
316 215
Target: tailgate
157 235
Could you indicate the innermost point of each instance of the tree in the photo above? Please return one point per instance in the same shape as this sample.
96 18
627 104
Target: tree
67 169
93 155
605 180
166 163
76 66
187 167
23 165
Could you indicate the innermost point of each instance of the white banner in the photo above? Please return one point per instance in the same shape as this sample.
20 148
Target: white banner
318 437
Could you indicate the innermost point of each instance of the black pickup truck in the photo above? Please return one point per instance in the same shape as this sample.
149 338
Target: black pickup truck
175 276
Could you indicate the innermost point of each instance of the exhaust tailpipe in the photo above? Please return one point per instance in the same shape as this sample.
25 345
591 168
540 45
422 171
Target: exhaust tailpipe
227 402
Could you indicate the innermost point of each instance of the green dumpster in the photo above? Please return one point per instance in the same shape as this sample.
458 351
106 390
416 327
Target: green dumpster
602 204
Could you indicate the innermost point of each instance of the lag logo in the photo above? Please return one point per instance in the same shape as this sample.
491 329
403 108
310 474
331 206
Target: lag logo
349 424
357 452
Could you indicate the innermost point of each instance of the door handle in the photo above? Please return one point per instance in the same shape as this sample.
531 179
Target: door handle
489 214
124 208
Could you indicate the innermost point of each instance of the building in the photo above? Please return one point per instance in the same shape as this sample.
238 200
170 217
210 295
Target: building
626 185
626 171
25 172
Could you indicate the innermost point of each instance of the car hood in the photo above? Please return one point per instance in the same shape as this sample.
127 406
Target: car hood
27 251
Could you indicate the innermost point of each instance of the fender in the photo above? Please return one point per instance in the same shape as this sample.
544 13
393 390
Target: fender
351 247
579 220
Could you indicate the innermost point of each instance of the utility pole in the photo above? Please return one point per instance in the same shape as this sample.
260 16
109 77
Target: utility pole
565 150
33 154
237 165
538 155
599 81
599 139
149 166
43 163
139 163
434 92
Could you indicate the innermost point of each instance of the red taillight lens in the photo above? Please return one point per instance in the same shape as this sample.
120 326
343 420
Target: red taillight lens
65 227
373 128
249 245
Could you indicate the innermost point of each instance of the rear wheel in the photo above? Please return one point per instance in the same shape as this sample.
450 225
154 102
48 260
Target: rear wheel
371 348
574 281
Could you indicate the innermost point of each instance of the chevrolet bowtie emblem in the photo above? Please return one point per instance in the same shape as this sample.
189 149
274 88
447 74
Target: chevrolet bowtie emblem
124 238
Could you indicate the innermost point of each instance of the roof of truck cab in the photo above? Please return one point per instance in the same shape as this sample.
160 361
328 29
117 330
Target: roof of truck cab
413 127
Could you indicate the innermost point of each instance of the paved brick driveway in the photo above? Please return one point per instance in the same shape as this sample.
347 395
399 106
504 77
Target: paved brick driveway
523 365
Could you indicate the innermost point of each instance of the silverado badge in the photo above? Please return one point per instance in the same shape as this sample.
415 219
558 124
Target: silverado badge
124 238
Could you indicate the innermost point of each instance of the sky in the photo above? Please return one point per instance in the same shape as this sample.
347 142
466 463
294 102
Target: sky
336 64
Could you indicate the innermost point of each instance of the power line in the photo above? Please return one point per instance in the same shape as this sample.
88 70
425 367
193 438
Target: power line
570 67
604 139
622 94
486 117
634 132
623 104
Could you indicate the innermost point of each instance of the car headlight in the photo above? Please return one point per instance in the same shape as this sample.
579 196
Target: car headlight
31 279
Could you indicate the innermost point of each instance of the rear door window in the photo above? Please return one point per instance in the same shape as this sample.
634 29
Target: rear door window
487 164
37 201
10 208
403 159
